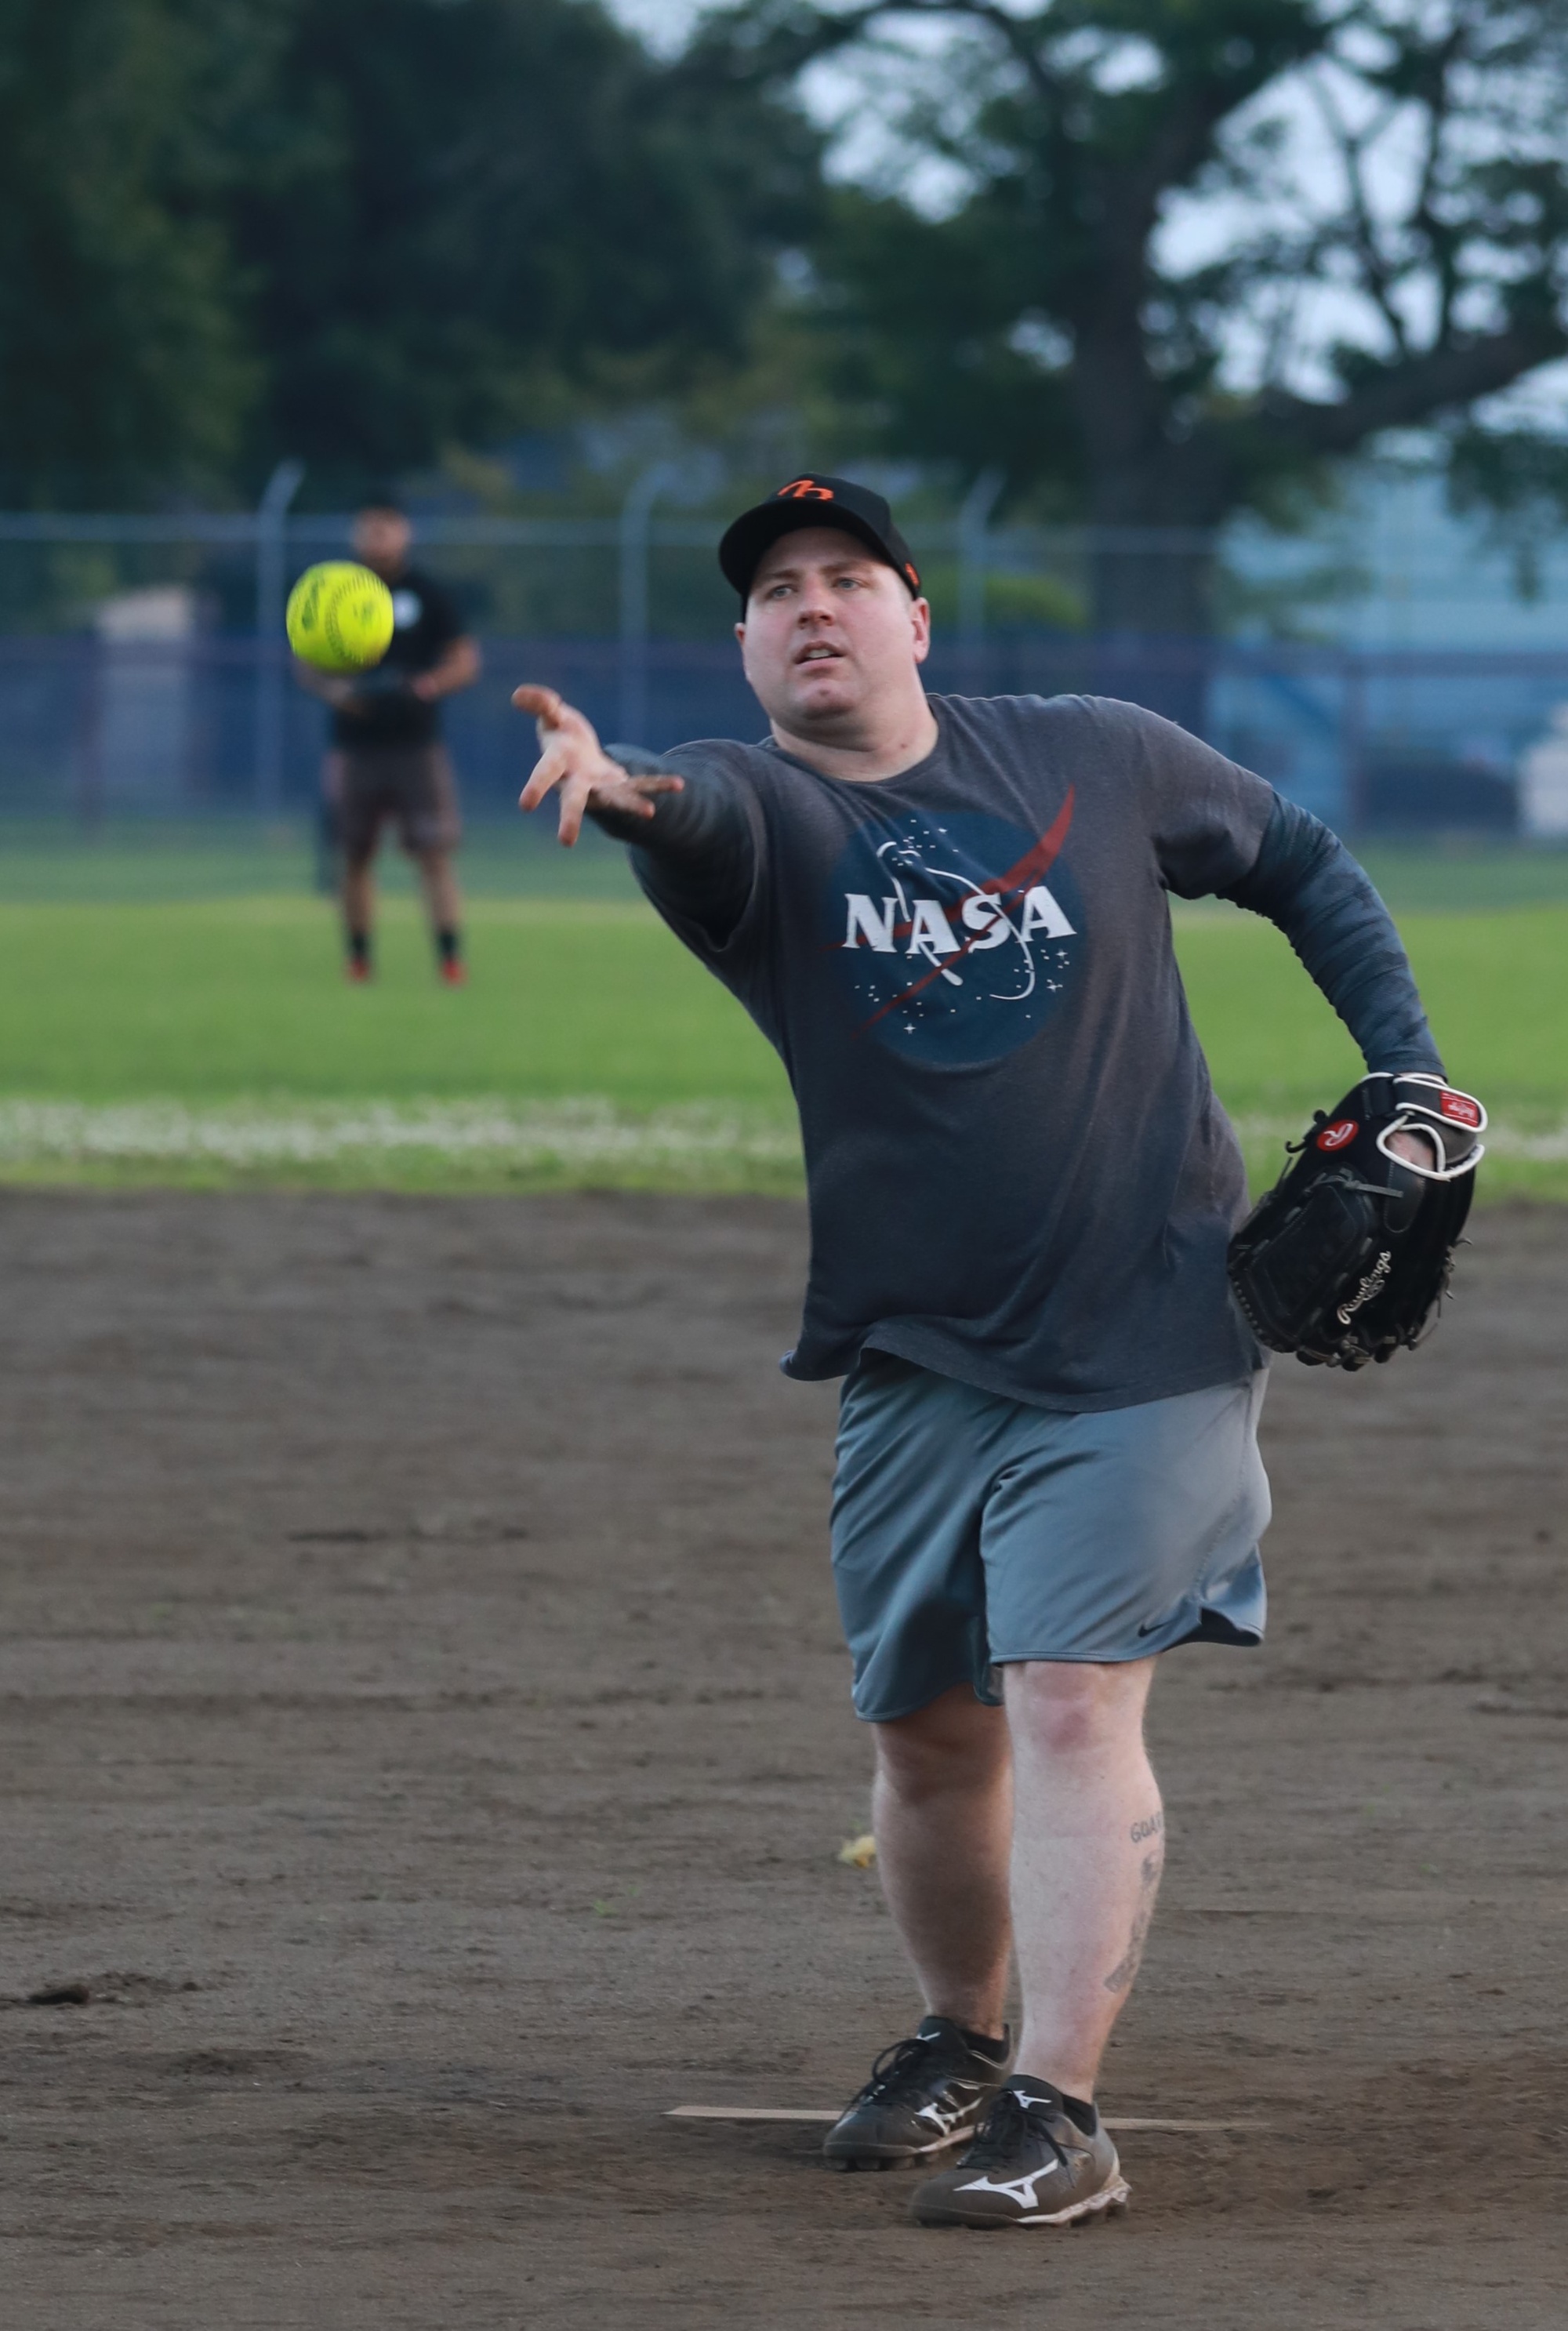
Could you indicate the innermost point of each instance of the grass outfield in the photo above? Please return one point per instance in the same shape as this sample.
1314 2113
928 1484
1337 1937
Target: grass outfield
162 861
212 1041
147 860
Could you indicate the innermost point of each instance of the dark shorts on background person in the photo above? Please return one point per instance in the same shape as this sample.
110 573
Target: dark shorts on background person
410 787
971 1531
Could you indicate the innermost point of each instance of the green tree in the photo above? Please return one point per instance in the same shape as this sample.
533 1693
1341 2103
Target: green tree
1194 250
236 229
122 360
460 220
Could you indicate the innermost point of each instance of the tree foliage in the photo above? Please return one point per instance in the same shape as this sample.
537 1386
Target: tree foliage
232 230
1193 249
122 359
483 209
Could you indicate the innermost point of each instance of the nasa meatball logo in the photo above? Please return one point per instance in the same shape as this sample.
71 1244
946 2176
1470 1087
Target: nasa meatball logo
1334 1136
956 935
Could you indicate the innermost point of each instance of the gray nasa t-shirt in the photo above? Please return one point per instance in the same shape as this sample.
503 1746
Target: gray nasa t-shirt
1018 1172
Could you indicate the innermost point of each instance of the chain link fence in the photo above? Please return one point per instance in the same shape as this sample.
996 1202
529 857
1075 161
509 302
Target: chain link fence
143 673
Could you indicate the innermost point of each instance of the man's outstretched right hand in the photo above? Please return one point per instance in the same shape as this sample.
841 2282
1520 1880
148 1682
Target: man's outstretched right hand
572 760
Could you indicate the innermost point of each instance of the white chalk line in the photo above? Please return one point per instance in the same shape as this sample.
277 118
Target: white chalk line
581 1132
577 1134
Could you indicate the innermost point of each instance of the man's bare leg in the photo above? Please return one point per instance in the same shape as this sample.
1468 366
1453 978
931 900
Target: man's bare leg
943 1812
443 905
1089 1837
358 907
443 898
1086 1835
1088 1830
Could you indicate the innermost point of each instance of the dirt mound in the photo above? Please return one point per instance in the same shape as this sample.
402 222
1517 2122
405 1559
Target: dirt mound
420 1667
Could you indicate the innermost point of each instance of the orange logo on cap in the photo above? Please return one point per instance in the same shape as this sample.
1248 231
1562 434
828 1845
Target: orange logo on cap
803 489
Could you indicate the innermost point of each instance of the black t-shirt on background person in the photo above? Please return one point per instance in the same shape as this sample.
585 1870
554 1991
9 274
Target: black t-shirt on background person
426 621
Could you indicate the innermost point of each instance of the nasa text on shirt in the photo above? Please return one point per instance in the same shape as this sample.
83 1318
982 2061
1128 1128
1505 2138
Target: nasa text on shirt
951 944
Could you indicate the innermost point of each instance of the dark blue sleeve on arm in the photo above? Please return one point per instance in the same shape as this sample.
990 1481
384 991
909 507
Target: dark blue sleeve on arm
695 857
1305 880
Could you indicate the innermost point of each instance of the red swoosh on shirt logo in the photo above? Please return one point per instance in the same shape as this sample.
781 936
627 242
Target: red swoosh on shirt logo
1002 887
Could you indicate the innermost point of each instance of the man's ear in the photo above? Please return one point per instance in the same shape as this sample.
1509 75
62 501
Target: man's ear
920 614
740 634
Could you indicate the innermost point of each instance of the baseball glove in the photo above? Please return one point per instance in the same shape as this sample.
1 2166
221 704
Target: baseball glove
1348 1257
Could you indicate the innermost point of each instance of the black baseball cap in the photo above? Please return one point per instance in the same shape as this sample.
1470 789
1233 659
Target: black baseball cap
814 499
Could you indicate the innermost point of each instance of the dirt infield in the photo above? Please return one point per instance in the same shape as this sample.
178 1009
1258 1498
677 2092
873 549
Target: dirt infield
426 1741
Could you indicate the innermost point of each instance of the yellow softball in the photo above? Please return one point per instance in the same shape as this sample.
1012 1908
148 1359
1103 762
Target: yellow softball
339 617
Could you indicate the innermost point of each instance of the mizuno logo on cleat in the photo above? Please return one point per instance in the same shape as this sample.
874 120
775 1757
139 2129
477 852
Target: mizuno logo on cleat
948 2115
1021 2190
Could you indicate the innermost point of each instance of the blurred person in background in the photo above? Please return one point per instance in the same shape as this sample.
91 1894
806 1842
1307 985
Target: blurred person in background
385 759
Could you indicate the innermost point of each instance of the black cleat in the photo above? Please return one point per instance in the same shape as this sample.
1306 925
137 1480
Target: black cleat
1031 2166
923 2095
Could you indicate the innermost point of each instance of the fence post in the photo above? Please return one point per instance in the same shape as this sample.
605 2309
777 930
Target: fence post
974 517
636 513
89 737
271 543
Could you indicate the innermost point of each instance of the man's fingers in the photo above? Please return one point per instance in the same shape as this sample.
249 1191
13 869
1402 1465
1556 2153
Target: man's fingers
560 758
608 788
600 785
575 794
631 796
555 716
553 763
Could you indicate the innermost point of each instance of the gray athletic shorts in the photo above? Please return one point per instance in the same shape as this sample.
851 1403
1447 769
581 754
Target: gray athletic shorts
410 787
970 1531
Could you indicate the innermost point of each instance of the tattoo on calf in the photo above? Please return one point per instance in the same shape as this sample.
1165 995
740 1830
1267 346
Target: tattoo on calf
1121 1976
1153 1827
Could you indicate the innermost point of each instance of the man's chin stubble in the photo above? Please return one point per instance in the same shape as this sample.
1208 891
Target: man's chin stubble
835 727
815 712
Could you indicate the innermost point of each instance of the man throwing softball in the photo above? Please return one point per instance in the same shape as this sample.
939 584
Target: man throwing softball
949 916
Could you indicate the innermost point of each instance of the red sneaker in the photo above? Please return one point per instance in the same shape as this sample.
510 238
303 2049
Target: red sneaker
356 971
454 974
